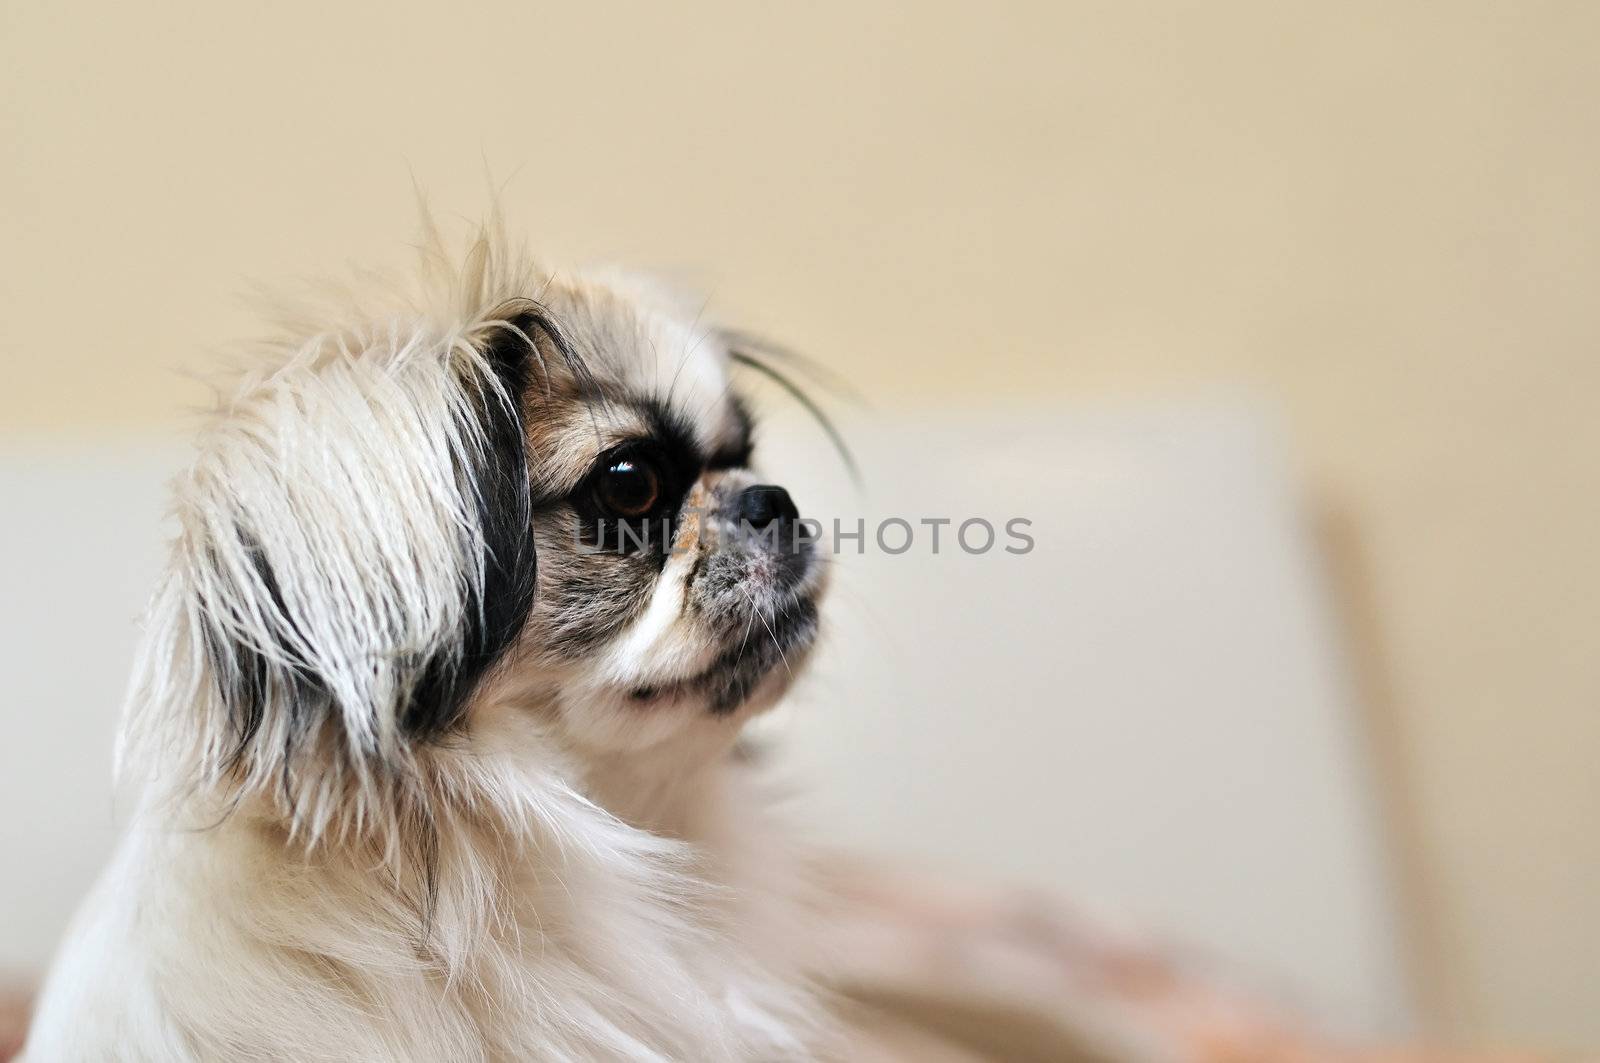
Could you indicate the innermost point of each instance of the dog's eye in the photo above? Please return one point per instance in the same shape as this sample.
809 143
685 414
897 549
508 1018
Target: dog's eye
630 487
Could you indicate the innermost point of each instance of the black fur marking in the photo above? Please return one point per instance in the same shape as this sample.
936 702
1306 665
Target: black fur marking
496 616
247 691
673 433
736 453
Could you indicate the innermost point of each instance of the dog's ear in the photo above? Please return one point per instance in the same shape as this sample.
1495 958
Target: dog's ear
498 605
358 550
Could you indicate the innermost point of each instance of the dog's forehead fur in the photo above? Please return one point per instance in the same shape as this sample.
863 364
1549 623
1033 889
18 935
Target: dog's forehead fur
648 361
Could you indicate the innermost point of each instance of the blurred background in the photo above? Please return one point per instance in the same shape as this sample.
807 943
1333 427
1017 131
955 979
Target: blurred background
1278 319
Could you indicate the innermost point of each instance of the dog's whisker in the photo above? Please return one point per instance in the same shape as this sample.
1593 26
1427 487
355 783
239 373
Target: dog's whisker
809 405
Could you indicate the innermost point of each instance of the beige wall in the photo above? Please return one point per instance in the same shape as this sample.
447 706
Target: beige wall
1387 215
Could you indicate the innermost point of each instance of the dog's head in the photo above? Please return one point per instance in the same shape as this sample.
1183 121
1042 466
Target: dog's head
675 586
511 500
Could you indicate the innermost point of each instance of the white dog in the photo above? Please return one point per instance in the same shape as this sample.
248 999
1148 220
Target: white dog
432 724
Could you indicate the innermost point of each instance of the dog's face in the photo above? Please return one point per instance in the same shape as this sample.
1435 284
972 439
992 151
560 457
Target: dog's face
512 503
675 587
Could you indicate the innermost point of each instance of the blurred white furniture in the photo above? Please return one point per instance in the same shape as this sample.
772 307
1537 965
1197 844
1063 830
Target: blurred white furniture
79 549
1144 713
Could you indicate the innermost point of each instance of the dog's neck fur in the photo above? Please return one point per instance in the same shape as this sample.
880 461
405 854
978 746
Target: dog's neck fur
568 910
672 789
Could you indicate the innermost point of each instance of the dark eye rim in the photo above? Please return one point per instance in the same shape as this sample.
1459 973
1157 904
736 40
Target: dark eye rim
735 457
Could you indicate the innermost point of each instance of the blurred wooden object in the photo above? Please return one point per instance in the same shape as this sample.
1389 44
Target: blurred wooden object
944 971
14 1006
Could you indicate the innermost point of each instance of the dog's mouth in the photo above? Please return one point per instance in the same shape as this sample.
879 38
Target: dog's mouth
755 600
778 638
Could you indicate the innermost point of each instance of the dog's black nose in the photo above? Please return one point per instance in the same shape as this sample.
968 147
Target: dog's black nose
762 504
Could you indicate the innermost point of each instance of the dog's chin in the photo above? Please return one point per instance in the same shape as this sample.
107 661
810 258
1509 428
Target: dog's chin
747 673
744 675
